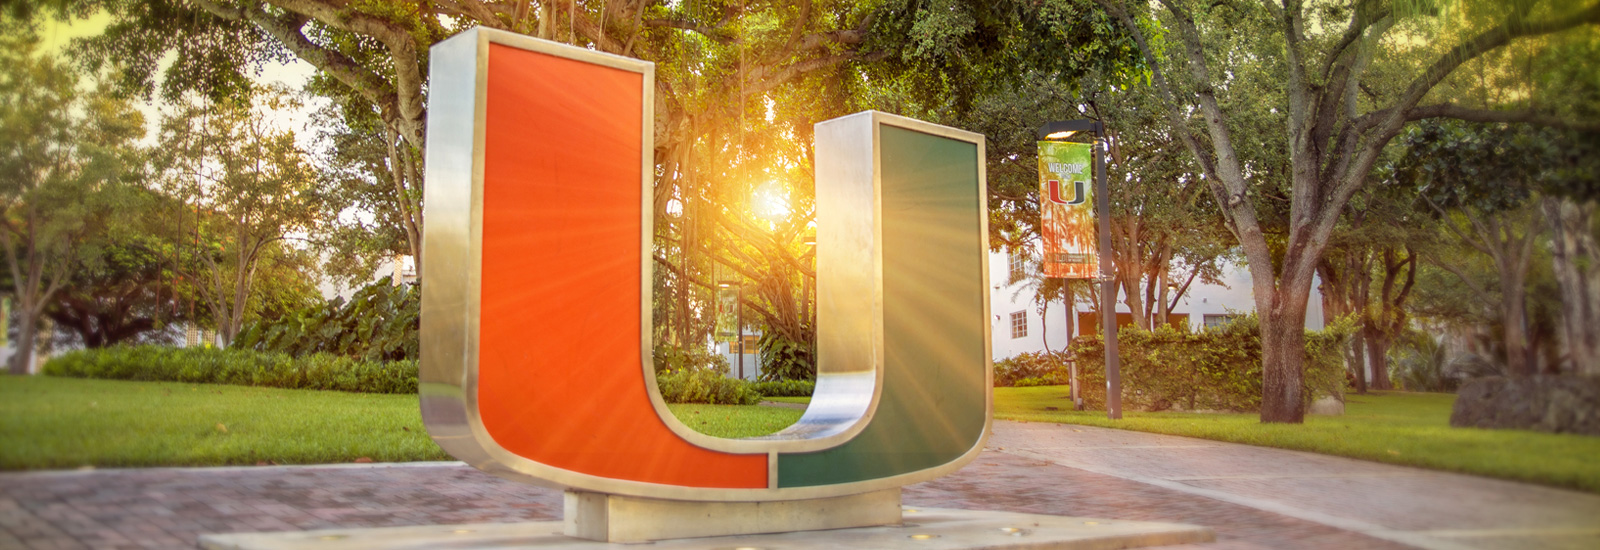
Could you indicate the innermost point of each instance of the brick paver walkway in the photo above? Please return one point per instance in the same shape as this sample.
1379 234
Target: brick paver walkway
1109 474
1422 508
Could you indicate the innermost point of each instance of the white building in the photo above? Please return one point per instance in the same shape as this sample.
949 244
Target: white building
752 355
1017 326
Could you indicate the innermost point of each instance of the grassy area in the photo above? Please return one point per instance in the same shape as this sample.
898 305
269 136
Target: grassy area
1396 427
48 422
734 420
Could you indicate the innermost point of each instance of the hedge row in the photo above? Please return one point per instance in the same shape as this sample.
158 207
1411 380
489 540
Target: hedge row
712 385
705 385
323 371
1165 368
785 388
242 367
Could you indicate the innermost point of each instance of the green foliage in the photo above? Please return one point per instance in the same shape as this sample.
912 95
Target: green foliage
785 359
67 155
668 358
1032 382
705 385
1419 364
785 388
1217 369
239 367
379 323
1036 367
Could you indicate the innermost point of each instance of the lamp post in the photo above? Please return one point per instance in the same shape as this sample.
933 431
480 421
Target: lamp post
738 323
1062 129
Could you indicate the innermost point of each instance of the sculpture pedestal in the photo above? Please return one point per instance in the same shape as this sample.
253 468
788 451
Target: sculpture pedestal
922 529
613 518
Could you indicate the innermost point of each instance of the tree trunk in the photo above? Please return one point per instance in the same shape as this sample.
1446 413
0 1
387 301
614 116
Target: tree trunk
1283 361
1378 356
27 332
1355 357
1576 262
1283 344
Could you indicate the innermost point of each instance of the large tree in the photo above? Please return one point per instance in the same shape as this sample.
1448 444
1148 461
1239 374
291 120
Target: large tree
1347 76
250 185
63 150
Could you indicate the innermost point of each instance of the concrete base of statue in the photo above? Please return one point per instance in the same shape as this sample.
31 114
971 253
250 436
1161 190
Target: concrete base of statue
921 529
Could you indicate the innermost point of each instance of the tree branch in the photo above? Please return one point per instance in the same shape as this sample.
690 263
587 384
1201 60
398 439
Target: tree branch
1450 110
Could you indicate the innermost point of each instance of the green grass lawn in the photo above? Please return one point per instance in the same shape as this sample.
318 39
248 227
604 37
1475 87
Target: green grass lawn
48 422
803 400
1396 427
734 420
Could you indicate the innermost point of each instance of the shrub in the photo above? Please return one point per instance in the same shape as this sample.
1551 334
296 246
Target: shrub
1217 369
379 323
705 385
241 367
785 388
669 358
1042 368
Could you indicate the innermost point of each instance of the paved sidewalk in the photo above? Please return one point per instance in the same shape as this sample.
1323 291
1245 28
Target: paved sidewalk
1254 498
1422 508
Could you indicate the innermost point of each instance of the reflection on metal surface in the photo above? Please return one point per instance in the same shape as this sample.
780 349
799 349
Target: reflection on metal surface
536 352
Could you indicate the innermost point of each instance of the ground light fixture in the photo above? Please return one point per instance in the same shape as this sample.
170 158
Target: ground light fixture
1060 130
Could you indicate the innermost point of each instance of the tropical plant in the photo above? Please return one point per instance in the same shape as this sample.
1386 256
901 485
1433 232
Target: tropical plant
380 322
785 359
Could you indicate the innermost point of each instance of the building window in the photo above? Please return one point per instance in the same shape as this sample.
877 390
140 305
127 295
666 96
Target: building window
751 344
1019 265
1019 324
1218 320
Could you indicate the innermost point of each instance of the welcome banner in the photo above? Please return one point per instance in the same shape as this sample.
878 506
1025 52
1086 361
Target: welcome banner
1066 206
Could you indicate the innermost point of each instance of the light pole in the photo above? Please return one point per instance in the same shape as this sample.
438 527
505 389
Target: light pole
738 323
1062 129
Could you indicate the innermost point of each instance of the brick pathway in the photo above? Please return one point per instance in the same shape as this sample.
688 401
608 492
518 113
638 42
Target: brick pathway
1119 476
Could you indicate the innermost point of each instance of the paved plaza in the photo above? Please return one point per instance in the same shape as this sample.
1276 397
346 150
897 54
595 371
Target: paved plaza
1254 498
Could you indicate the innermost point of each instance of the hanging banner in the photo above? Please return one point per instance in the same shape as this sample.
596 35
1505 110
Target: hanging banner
1066 206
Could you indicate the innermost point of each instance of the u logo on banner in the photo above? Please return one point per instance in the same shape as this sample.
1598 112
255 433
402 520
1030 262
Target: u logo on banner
536 336
1078 195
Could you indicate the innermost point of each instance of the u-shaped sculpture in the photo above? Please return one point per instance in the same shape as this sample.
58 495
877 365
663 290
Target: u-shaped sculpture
536 315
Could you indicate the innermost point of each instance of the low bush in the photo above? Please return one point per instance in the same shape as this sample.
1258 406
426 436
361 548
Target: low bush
785 388
242 367
705 385
1036 367
669 358
1218 369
